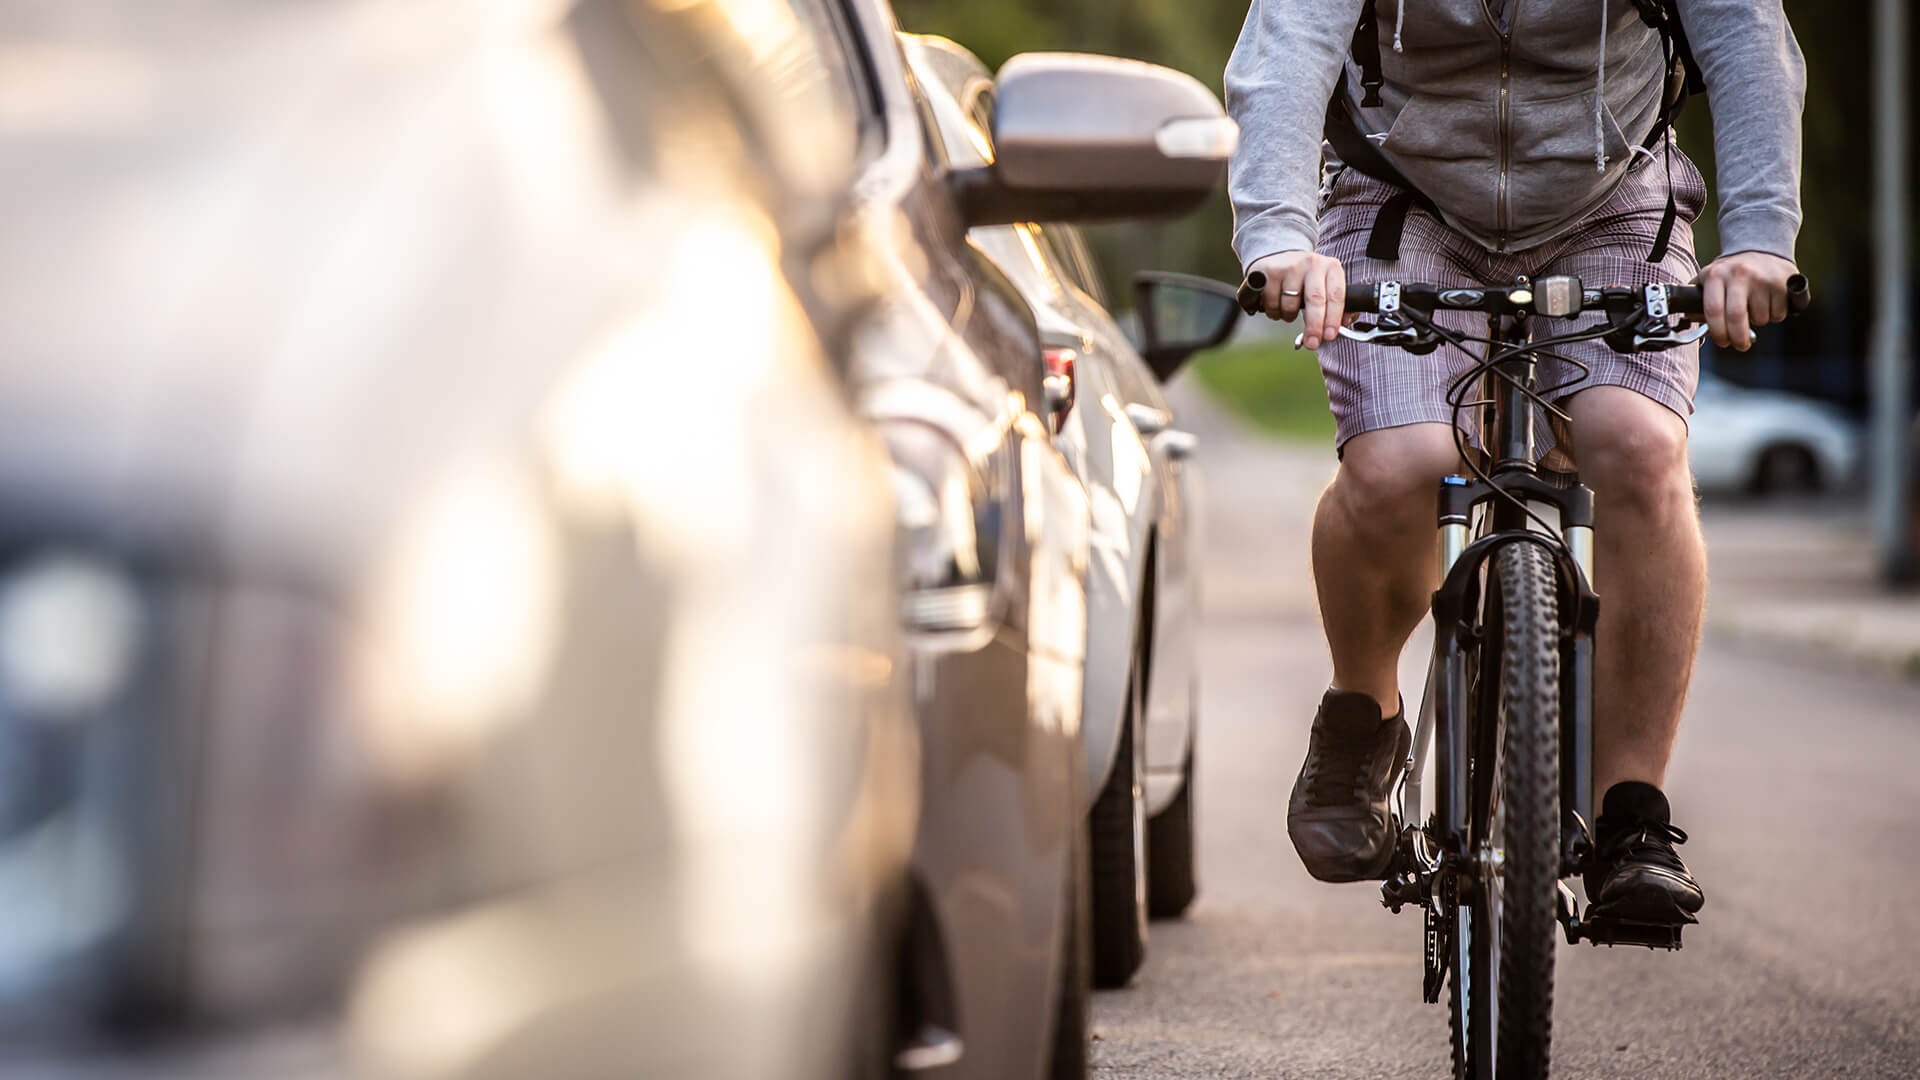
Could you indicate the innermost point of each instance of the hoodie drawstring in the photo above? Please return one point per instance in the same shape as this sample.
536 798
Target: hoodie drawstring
1600 99
1599 82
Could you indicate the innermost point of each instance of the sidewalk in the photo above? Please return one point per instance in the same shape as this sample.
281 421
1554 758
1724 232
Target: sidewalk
1801 574
1792 574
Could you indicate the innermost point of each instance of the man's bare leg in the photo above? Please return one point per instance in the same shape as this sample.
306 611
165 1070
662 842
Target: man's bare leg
1650 569
1375 554
1374 540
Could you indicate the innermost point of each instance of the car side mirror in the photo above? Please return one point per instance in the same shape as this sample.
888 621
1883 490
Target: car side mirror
1081 138
1181 315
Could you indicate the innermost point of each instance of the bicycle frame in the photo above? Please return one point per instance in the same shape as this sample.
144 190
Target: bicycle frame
1443 731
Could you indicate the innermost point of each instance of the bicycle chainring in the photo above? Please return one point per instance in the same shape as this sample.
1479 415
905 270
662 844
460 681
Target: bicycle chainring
1438 938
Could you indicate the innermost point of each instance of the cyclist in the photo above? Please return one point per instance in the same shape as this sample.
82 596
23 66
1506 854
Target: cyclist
1487 139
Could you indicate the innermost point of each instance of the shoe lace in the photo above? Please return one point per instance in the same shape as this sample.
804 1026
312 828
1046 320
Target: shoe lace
1655 838
1336 770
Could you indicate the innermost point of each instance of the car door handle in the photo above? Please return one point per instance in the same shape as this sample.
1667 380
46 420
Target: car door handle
1179 445
931 1047
1148 420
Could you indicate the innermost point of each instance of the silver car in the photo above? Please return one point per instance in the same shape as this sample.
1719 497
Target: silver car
447 623
1116 429
994 522
1763 441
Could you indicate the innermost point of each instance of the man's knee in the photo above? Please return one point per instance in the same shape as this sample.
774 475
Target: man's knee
1390 476
1632 451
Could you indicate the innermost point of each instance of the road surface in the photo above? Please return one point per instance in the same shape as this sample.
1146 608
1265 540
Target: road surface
1798 780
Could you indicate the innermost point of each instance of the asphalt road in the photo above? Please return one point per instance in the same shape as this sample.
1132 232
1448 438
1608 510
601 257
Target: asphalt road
1797 781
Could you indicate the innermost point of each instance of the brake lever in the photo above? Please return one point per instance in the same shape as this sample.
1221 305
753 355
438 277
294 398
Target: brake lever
1672 337
1651 332
1387 331
1654 334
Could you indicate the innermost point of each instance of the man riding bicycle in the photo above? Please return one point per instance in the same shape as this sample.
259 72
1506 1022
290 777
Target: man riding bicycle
1472 141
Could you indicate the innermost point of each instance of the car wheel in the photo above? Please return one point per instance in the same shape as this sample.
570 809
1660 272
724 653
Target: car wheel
1170 878
1117 831
1787 468
1076 970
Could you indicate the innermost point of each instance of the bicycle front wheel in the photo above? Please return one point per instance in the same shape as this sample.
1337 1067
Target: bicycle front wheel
1503 1007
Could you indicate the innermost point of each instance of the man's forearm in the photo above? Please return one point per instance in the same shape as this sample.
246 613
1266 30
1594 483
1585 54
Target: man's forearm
1282 72
1756 87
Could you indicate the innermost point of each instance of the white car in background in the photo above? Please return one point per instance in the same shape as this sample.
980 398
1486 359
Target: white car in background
1766 441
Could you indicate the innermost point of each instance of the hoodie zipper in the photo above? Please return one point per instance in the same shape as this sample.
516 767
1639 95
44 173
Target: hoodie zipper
1506 73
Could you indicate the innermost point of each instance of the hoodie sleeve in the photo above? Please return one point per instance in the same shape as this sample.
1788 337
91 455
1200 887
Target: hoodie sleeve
1756 87
1282 72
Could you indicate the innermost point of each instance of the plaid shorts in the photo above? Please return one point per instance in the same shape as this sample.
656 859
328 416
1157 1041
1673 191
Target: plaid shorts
1371 387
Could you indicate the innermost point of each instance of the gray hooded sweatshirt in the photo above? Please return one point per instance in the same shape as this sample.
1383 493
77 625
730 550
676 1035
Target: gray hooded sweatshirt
1516 118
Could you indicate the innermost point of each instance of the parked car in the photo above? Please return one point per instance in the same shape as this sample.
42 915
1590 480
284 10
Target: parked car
995 523
1764 441
1116 429
446 618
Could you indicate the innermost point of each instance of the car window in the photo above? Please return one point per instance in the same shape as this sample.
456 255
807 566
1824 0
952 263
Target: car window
979 107
1058 249
1076 260
845 65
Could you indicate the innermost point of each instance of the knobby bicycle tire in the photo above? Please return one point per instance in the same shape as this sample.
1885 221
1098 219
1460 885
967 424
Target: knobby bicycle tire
1522 623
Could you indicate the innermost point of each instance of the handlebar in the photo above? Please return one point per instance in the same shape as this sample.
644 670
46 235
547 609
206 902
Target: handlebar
1556 297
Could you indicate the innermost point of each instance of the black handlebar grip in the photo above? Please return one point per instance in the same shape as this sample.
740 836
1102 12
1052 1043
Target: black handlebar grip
1252 293
1687 299
1799 294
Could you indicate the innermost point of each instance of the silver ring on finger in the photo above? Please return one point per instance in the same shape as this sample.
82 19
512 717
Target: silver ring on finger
1289 292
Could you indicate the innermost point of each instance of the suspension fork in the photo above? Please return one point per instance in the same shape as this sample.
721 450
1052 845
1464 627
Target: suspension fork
1514 472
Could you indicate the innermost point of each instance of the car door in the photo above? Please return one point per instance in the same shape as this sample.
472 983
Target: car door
1171 676
953 346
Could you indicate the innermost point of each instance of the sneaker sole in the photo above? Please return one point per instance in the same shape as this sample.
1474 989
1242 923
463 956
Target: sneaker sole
1645 906
1349 870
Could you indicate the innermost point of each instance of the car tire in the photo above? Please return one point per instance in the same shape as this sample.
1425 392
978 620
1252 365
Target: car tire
1117 840
1170 878
1787 467
1071 1010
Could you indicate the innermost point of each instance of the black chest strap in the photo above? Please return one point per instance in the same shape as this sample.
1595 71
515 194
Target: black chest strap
1356 151
1366 53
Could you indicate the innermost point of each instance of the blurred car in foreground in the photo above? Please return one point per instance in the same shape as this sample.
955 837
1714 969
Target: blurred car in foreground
1116 430
1766 441
446 620
994 522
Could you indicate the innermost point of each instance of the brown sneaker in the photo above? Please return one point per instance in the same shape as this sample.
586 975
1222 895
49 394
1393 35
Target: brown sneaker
1338 816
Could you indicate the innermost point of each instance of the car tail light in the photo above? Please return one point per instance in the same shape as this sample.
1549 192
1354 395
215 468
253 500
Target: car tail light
1059 383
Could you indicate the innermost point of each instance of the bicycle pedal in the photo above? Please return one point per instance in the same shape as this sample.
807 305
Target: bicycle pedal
1610 932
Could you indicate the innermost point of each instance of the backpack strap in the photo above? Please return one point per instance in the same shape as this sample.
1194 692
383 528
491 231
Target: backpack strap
1684 79
1366 53
1671 98
1356 151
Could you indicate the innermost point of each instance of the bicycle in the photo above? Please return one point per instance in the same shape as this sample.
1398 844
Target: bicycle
1508 708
